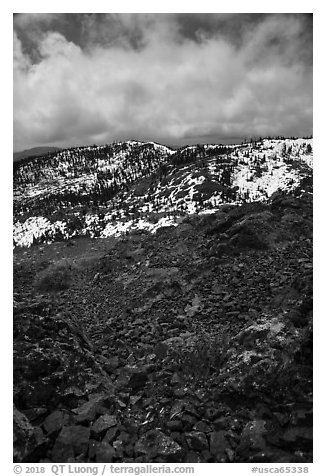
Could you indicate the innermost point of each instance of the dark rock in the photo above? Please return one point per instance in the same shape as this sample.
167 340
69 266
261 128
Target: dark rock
24 437
221 423
282 418
175 379
248 336
103 423
197 440
89 410
270 456
202 426
137 377
244 237
179 392
193 457
55 421
296 317
124 436
212 413
207 457
33 414
92 447
297 438
43 392
252 437
155 443
104 453
111 364
129 451
188 420
118 446
41 365
39 436
161 350
218 446
174 425
302 417
230 454
72 441
111 434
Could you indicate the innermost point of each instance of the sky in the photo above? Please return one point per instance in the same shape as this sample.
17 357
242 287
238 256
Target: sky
173 78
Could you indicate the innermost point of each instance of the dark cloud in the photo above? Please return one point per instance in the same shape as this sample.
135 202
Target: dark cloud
175 78
231 26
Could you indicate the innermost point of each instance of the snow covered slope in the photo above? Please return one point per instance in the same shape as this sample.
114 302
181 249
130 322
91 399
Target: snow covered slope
109 190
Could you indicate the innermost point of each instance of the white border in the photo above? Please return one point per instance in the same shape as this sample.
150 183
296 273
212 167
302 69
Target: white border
167 6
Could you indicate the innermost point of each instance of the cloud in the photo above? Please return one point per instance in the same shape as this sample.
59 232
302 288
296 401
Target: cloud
141 76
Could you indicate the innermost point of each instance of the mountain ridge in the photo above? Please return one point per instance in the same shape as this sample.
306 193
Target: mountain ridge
113 189
34 152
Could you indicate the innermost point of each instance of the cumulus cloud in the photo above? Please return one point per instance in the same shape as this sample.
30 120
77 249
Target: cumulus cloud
142 76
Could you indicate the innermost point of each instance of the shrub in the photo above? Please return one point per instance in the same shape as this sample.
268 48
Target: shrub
55 277
205 355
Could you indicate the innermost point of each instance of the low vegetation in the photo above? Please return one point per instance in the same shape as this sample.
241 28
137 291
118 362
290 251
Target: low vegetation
56 277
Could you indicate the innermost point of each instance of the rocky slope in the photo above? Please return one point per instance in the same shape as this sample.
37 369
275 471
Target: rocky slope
192 344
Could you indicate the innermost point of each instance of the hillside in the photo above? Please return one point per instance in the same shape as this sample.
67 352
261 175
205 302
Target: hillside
34 152
185 333
107 190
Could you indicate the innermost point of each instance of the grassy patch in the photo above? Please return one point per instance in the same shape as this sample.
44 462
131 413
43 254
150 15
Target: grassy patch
56 277
205 355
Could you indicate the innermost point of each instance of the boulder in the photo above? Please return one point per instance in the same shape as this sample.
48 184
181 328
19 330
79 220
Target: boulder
103 423
197 440
104 453
252 437
202 426
138 379
72 441
89 410
155 443
174 425
24 437
218 446
193 457
55 421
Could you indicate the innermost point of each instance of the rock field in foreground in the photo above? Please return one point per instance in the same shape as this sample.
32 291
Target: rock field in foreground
190 345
